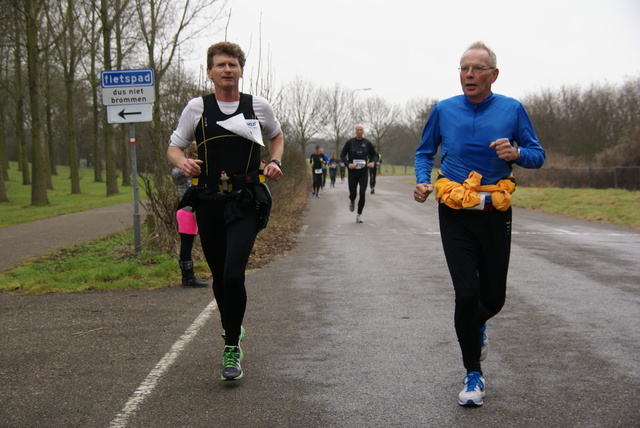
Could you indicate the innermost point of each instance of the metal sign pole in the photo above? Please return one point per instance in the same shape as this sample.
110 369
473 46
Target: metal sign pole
134 173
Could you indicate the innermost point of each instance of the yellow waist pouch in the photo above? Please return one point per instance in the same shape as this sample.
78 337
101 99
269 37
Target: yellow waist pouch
465 195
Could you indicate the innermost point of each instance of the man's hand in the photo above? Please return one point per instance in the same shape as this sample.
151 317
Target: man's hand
422 191
505 150
272 171
191 167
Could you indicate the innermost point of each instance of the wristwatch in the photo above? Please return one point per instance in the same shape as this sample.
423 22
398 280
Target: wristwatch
277 162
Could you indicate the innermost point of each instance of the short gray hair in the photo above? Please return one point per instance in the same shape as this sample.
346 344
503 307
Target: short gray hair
493 60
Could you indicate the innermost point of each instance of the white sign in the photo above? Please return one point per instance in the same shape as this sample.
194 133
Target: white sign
129 114
127 87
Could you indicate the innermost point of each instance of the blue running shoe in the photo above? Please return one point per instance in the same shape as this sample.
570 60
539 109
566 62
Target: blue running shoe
473 391
484 343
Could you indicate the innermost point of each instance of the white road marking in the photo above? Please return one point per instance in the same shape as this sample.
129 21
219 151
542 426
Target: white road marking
568 232
152 379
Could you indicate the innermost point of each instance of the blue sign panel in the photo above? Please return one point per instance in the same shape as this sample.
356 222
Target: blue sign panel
127 78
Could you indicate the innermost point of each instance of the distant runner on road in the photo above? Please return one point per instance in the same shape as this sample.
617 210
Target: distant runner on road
359 155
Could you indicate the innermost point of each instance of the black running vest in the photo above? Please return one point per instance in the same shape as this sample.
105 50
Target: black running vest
220 149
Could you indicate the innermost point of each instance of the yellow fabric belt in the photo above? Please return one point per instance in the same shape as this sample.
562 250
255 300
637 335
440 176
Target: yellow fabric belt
465 195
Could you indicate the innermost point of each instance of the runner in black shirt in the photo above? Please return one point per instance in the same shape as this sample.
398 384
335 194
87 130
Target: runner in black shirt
228 193
359 155
317 162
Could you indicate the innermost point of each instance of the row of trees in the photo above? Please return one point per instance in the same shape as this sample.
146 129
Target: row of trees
51 55
596 126
314 114
53 51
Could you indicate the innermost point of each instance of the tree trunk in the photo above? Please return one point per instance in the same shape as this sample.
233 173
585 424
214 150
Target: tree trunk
4 175
38 145
53 159
48 138
4 161
23 157
95 111
69 81
71 140
3 191
110 149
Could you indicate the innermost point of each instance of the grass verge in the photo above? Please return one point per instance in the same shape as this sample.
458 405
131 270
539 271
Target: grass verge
93 195
105 264
620 207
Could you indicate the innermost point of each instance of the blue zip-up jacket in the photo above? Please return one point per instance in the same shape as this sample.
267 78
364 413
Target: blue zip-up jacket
464 130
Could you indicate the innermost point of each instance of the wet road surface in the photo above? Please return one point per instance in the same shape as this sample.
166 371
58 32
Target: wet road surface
354 328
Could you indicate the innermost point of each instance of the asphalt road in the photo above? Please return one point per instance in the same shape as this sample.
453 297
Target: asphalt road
354 328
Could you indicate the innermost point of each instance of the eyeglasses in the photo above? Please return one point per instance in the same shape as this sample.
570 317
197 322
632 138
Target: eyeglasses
475 69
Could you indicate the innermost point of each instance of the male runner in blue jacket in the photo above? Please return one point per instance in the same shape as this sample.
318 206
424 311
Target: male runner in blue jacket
480 135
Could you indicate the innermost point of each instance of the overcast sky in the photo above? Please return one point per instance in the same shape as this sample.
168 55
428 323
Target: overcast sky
411 48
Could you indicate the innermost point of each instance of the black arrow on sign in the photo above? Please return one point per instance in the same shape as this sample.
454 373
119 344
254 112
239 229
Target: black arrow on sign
123 115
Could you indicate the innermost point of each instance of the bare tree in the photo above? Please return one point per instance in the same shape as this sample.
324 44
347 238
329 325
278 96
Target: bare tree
165 25
339 115
5 63
124 37
69 54
416 113
108 18
304 111
92 42
33 21
16 89
380 116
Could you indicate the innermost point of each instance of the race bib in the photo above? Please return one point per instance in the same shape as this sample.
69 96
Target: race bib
359 163
256 132
483 200
318 170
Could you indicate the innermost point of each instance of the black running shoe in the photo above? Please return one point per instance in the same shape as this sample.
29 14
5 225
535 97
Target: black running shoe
352 206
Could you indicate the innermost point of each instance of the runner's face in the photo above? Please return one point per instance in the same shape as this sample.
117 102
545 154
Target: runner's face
225 72
359 132
476 84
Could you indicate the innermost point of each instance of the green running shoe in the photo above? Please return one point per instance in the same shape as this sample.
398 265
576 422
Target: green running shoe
231 358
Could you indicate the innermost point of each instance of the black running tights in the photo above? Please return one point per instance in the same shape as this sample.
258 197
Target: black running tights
477 246
358 177
227 249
